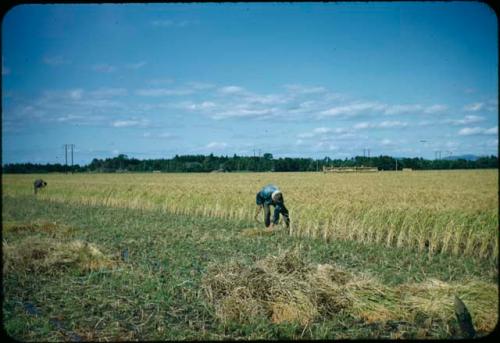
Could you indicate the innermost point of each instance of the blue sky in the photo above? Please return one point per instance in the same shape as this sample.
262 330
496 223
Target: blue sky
292 79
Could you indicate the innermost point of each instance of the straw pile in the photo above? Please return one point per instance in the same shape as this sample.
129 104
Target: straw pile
41 255
434 299
284 288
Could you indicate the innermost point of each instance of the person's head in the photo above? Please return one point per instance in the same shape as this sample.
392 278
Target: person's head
277 196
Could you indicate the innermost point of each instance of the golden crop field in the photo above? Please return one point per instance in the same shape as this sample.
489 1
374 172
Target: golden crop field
434 211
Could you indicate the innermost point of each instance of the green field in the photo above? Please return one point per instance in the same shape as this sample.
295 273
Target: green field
177 256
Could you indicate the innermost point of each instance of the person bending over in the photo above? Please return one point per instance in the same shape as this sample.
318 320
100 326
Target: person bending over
268 196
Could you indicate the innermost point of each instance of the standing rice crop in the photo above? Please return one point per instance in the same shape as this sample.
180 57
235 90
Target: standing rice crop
433 211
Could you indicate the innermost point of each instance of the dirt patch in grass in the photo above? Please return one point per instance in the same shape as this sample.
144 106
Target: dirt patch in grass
284 288
46 255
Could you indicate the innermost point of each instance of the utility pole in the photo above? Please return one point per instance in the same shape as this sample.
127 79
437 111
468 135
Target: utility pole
66 158
396 164
66 146
72 146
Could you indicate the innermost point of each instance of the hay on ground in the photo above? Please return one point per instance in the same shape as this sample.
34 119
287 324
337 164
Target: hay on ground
284 288
281 288
434 298
36 254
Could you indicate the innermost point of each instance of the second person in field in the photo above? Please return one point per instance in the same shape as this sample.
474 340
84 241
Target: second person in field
267 196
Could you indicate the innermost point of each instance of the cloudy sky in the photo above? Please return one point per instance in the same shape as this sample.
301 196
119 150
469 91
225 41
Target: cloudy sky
309 80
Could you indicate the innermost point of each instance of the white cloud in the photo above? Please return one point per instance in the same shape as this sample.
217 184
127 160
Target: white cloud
162 135
269 99
386 142
469 131
244 113
477 106
383 125
435 109
400 109
216 145
353 109
322 130
108 92
130 123
296 88
163 92
231 90
491 131
69 117
468 119
362 125
391 124
76 94
205 105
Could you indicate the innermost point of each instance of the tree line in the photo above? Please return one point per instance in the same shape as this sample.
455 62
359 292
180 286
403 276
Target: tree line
211 163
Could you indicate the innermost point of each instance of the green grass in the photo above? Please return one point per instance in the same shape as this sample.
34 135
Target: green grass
155 294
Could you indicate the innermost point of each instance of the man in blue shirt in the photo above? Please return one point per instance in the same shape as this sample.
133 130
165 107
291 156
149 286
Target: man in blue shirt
271 195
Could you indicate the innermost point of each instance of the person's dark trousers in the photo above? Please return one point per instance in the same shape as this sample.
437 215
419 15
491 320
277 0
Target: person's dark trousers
286 216
267 215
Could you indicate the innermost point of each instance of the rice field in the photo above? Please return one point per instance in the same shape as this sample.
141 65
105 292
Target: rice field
125 257
453 212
